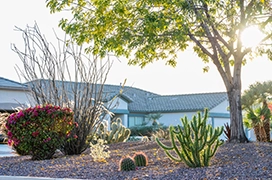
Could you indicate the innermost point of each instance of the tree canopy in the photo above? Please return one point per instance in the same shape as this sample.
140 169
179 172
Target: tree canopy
145 31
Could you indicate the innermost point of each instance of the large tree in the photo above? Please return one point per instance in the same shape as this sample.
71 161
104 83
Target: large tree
145 31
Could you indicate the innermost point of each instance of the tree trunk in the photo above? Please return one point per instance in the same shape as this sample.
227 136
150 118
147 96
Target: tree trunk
267 129
236 120
257 133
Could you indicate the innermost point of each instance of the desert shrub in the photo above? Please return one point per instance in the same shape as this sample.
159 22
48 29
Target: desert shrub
3 120
161 134
145 130
227 131
39 131
99 151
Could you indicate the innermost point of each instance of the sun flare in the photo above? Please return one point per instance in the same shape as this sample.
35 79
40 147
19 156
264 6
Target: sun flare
251 36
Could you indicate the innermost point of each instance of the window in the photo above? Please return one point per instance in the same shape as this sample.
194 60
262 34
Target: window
135 121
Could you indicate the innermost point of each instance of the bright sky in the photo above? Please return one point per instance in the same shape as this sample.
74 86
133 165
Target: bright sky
187 77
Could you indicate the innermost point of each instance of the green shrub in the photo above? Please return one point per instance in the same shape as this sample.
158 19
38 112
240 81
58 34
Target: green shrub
39 131
161 134
145 130
197 141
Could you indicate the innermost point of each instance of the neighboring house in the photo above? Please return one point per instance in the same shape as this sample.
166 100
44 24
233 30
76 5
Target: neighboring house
12 95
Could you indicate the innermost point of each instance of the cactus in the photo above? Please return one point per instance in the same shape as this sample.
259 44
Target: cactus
198 141
118 133
127 164
140 159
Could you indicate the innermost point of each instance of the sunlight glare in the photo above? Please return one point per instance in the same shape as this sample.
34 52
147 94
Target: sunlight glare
251 37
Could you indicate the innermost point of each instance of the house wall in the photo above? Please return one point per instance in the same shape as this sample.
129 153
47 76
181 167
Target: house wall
13 96
168 119
120 109
221 108
119 103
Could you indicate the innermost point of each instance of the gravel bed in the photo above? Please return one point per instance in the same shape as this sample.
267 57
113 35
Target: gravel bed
232 161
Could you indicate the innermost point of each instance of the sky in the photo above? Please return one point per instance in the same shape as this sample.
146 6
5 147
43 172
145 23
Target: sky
186 78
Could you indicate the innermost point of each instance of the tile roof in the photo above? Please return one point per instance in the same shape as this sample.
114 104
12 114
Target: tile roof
185 102
9 84
142 101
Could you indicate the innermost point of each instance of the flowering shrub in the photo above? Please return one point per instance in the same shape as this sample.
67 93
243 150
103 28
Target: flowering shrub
39 131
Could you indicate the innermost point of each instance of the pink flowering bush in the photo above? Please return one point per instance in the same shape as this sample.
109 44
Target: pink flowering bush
39 131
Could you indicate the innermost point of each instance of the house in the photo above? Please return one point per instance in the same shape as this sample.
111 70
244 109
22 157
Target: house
12 95
133 104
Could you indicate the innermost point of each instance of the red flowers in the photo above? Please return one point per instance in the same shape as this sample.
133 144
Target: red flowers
35 134
30 128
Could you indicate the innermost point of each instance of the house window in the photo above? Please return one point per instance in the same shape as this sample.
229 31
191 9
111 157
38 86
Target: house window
135 121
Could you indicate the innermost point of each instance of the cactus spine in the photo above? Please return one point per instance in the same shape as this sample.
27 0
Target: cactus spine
198 141
140 159
127 164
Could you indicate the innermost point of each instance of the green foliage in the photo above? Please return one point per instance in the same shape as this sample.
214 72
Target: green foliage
99 151
140 159
257 106
158 29
127 164
40 130
197 141
145 130
154 117
141 130
118 133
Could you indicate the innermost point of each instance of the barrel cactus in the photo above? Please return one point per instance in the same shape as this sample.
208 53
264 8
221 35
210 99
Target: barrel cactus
127 164
140 159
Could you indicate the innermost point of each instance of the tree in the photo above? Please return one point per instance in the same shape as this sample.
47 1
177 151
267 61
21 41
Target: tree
65 76
255 101
145 31
154 117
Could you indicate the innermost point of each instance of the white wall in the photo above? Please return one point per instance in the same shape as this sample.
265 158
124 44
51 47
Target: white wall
13 96
118 103
174 118
221 108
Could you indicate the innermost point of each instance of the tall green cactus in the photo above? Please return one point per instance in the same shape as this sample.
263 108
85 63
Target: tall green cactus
118 133
197 140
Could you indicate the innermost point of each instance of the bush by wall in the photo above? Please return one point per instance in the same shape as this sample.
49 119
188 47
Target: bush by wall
39 131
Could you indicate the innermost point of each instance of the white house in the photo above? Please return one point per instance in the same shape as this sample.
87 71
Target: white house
133 104
12 95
